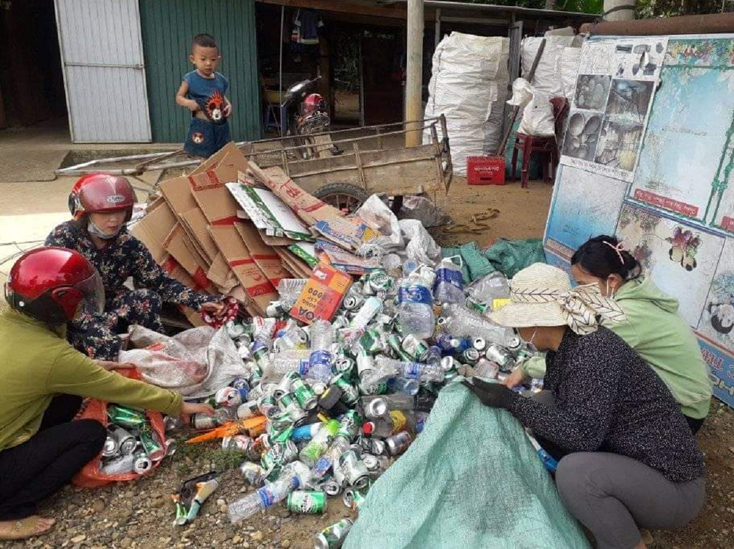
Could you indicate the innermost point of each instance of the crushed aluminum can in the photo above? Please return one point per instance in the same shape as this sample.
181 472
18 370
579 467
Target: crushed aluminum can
171 446
279 454
331 487
351 393
248 409
353 301
284 387
447 363
371 462
500 355
416 348
228 397
275 309
479 343
349 425
398 443
237 443
110 448
354 469
376 408
268 406
254 474
305 395
203 422
126 442
333 536
514 343
142 463
235 329
343 365
470 356
353 499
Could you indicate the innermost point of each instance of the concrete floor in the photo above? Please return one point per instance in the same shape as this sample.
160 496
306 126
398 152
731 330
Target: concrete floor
30 209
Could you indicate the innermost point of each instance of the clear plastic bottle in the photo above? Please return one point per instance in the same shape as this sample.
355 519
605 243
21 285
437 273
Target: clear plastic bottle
396 401
264 497
332 455
321 358
292 337
463 322
415 306
295 360
387 368
319 444
449 287
488 288
370 309
289 289
400 385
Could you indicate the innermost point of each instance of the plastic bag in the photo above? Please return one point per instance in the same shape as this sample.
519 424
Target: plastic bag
547 79
91 476
424 210
378 217
537 114
568 69
421 247
196 362
482 485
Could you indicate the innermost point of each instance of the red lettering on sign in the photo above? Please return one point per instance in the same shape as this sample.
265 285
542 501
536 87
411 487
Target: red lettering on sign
666 203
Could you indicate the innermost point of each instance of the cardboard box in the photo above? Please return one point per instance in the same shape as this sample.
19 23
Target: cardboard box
198 225
153 230
176 245
253 280
227 156
322 295
264 256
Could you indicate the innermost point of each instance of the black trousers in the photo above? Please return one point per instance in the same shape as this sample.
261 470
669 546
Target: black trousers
32 471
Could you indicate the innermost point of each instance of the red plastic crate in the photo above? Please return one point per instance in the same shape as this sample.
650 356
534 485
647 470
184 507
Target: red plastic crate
485 170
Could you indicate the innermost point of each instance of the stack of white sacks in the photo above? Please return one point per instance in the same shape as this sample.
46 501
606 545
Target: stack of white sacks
469 86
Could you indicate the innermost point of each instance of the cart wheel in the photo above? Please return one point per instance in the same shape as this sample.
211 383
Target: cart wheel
343 196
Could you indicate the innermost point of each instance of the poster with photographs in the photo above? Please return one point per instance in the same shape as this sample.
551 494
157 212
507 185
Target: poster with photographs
612 100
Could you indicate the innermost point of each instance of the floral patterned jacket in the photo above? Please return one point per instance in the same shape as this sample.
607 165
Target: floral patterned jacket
124 257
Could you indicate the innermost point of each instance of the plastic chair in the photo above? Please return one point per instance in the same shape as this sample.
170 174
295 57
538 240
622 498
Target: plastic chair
546 146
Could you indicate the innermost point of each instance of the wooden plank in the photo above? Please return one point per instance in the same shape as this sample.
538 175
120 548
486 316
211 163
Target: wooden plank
397 12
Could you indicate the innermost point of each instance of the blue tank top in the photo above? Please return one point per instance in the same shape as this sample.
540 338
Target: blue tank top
208 94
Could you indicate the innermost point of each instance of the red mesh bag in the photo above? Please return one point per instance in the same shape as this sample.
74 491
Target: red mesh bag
91 476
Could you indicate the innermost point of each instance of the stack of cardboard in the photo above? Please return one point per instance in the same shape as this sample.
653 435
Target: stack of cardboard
231 228
195 234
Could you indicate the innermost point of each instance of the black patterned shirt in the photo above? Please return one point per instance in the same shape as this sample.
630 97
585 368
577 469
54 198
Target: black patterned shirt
608 399
124 257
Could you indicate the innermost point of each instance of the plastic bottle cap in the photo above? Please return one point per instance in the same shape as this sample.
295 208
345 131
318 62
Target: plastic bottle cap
368 428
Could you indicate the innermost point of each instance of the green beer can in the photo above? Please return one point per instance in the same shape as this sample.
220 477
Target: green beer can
305 396
126 417
306 502
333 536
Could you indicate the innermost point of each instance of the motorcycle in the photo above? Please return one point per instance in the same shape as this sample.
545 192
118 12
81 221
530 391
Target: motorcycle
306 112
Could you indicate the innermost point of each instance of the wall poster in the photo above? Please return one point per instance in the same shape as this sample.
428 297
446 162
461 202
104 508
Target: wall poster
649 156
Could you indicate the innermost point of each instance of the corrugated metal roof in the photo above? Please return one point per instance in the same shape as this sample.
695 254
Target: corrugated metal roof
168 28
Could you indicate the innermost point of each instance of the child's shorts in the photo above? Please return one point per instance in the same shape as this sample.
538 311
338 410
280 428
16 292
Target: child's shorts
204 138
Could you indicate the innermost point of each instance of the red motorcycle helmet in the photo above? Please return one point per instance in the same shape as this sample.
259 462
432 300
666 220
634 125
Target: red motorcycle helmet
53 285
100 192
314 102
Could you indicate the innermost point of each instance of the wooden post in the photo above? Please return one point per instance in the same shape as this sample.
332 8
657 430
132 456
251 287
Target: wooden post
414 77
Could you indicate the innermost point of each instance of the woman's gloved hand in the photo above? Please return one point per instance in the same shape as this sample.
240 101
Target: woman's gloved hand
494 395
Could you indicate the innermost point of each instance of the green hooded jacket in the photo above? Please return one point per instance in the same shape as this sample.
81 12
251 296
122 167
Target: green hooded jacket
660 336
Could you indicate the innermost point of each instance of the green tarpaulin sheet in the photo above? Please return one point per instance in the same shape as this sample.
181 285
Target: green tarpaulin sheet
470 480
505 256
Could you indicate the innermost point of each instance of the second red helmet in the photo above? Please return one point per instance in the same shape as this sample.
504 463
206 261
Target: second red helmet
99 192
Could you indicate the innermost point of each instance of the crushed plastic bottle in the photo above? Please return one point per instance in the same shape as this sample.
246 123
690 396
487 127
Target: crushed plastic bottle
263 498
463 322
321 359
319 444
449 287
416 306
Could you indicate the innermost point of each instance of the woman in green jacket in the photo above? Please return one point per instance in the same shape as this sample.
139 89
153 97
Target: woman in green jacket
44 380
653 327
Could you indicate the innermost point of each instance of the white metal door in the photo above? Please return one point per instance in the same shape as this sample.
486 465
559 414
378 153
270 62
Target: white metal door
104 73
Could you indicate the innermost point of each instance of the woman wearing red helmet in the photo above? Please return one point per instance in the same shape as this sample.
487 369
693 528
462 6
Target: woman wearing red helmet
44 380
101 205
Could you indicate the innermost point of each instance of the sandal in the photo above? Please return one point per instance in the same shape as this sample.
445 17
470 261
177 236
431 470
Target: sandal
24 529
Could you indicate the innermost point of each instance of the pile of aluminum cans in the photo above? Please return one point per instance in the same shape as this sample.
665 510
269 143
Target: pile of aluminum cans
132 446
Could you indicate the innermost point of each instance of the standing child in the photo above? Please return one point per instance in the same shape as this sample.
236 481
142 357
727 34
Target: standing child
203 93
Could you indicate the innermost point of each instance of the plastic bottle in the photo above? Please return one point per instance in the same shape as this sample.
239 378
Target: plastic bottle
400 385
488 288
289 289
463 322
394 402
264 497
119 466
370 309
415 307
321 358
449 287
295 360
319 444
411 370
332 455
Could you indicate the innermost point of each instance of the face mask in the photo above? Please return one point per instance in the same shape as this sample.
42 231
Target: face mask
99 233
529 344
